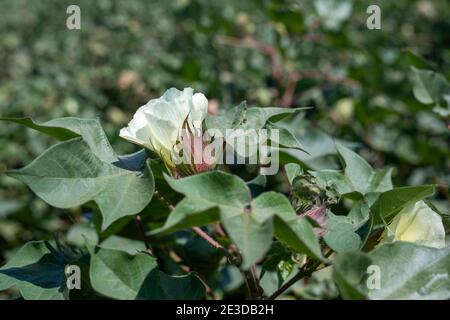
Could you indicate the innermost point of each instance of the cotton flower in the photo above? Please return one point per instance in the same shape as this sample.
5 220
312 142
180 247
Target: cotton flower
416 223
160 124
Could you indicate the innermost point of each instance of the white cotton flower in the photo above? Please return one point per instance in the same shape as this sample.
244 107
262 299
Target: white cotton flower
416 223
157 125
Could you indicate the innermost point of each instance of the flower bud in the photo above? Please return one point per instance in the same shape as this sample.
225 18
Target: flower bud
317 214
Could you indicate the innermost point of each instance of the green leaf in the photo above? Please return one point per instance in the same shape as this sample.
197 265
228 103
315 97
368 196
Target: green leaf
278 259
391 202
351 232
257 117
119 275
360 175
130 246
380 180
57 132
293 170
429 86
334 178
189 213
359 213
241 117
299 236
407 271
82 234
349 270
69 174
416 61
257 185
215 187
270 204
357 170
262 219
341 234
37 270
242 125
252 237
285 138
67 128
133 162
442 110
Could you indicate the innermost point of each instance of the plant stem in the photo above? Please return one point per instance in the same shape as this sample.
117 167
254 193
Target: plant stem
219 230
284 287
208 289
140 226
213 243
163 200
302 273
235 260
259 290
247 284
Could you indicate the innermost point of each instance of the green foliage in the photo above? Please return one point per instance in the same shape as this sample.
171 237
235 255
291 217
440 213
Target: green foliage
67 128
69 174
251 223
392 201
408 272
37 269
432 88
137 277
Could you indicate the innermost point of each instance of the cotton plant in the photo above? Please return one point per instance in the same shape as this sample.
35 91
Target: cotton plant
328 219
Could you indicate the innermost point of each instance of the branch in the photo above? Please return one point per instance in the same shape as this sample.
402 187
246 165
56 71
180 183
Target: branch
235 260
163 200
140 226
259 290
214 243
302 273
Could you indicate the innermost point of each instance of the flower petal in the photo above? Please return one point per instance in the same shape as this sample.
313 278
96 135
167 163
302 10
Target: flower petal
416 223
199 110
137 130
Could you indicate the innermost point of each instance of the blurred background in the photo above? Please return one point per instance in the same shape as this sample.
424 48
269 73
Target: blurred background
271 53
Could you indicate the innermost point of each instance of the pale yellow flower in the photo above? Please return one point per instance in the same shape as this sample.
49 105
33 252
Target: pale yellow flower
416 223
